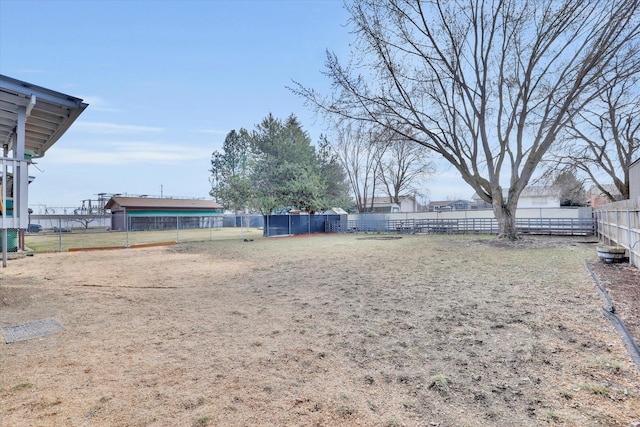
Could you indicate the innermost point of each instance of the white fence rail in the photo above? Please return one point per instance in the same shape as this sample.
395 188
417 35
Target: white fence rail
619 225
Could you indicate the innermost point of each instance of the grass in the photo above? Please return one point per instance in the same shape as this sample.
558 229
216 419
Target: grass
345 409
597 389
59 242
553 416
439 383
21 386
202 421
420 330
606 363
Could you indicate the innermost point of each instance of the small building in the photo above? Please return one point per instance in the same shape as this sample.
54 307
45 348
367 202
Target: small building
147 213
335 211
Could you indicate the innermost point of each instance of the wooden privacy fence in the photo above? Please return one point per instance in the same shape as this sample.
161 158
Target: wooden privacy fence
619 225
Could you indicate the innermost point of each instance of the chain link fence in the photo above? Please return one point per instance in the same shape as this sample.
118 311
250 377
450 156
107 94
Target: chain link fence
73 232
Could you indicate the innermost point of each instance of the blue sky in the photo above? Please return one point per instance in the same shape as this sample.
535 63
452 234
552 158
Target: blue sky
165 82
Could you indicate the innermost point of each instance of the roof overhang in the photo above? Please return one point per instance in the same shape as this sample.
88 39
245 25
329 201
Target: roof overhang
48 114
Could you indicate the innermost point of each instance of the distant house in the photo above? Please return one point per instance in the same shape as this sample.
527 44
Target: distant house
634 180
386 205
598 198
531 197
449 205
478 203
146 213
540 197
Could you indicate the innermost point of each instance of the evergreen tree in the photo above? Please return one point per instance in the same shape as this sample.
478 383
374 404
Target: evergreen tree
572 191
230 173
276 166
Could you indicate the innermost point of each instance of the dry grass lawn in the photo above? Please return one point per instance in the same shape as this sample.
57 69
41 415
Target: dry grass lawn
316 331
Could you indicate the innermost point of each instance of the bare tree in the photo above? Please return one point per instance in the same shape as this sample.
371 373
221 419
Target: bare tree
604 139
87 219
403 168
359 149
487 85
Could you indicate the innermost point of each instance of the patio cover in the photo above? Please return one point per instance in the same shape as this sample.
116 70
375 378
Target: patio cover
48 114
32 118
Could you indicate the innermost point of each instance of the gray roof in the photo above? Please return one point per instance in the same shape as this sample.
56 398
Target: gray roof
49 114
161 203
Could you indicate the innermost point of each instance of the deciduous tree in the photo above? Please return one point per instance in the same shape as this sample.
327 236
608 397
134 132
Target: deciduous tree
404 168
604 139
358 149
489 86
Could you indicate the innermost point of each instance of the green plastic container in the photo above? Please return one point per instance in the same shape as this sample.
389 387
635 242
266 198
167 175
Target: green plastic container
12 240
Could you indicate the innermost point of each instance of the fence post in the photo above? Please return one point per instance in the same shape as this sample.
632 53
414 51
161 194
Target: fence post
177 229
629 235
617 227
60 234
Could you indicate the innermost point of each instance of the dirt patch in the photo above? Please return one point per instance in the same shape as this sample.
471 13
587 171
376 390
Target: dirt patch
321 331
622 283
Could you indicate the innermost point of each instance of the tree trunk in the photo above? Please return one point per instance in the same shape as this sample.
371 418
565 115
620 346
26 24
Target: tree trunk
506 223
505 215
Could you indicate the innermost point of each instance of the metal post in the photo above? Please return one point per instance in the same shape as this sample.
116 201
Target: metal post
3 205
177 229
126 227
5 236
60 233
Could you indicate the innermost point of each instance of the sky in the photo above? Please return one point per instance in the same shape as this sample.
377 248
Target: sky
165 82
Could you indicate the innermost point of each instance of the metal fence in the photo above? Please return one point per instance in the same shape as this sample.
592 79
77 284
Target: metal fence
284 225
619 225
59 236
74 232
546 226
